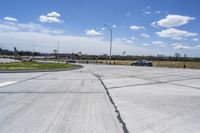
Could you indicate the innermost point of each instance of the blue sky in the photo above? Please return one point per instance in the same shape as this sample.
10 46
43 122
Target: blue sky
140 27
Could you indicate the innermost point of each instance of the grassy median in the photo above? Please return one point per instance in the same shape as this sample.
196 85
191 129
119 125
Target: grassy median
34 66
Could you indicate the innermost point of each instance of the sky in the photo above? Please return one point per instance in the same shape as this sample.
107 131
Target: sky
140 27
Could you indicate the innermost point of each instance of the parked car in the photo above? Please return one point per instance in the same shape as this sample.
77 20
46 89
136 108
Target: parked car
142 63
71 61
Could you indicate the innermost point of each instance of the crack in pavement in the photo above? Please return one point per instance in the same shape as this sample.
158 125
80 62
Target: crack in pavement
184 85
129 76
155 82
54 79
135 85
124 127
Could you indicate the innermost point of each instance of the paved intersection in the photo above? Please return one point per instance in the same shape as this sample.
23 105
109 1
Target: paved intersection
133 99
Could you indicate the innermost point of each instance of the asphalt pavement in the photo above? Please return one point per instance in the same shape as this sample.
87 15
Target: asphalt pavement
101 99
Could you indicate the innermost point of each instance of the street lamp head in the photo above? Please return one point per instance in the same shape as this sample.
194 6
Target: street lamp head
108 27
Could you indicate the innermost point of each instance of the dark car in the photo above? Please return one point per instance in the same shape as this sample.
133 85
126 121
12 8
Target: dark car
71 61
142 63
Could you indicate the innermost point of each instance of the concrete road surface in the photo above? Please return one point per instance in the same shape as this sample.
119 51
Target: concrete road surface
154 100
101 99
56 102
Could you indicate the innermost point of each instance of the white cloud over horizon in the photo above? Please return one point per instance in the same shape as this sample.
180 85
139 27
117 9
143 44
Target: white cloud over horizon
68 44
180 46
24 35
159 43
124 40
175 33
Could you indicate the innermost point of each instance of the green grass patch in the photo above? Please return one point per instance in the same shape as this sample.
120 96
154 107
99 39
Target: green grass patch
34 66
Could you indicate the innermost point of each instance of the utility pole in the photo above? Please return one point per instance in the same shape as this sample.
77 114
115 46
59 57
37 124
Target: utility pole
58 49
34 50
110 41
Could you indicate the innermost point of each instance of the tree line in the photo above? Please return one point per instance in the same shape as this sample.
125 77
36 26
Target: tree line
175 57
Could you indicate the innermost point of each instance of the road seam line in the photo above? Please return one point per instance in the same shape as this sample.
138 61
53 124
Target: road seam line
124 127
25 80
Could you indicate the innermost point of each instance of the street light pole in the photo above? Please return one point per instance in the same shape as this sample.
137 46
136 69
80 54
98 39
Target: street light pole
58 51
110 41
33 50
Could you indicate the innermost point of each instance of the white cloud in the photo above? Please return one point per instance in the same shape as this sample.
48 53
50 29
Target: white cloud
137 28
5 28
173 21
180 46
102 28
92 32
159 43
147 12
10 19
52 17
22 36
124 40
145 35
114 26
183 46
154 24
133 38
53 14
145 44
195 39
68 44
175 33
177 38
46 19
197 46
27 27
129 41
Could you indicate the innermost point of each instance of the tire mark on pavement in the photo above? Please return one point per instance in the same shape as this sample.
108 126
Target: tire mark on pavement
67 102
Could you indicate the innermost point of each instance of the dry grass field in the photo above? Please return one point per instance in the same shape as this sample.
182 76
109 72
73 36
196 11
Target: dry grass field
171 64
